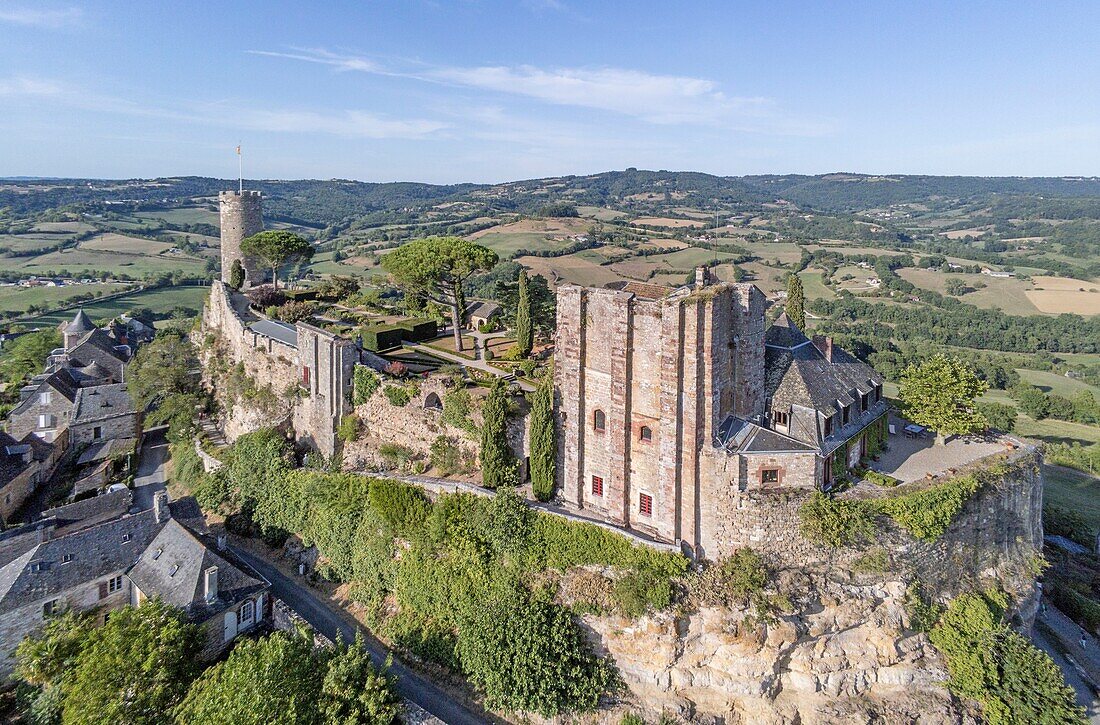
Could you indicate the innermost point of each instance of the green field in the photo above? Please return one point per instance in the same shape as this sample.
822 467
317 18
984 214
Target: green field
76 261
186 215
1056 431
1073 491
19 298
161 299
1057 384
814 285
508 243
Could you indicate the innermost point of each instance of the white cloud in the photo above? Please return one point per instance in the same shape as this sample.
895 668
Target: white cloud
37 17
18 87
350 123
654 98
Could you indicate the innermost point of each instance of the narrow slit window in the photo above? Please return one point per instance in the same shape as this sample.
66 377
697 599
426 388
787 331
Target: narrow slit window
645 504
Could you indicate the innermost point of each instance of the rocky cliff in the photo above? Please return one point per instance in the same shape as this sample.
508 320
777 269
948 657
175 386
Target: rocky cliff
845 650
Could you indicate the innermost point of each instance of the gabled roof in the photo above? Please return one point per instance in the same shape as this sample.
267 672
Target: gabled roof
91 511
101 402
99 339
92 553
647 290
80 324
173 568
93 373
60 381
785 334
483 309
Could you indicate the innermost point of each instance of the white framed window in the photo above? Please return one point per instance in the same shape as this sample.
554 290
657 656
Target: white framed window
45 420
114 585
247 613
45 398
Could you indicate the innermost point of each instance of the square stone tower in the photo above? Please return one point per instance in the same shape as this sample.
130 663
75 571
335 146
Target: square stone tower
644 377
241 217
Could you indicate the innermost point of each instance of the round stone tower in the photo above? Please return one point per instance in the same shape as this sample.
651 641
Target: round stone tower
241 217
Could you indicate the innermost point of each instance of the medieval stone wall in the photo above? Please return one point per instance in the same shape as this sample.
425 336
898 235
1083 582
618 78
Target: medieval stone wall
312 402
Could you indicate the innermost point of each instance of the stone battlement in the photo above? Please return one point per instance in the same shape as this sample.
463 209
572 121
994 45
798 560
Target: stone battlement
228 195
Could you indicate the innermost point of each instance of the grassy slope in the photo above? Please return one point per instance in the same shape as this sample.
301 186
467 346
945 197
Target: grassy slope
160 299
1073 491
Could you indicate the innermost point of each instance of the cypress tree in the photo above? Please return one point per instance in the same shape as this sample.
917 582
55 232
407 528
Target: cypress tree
525 335
497 466
236 275
796 301
542 440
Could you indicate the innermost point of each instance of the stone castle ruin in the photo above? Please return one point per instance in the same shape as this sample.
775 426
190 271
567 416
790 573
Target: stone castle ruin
673 403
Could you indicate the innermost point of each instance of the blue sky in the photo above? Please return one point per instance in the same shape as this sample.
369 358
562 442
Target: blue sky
476 90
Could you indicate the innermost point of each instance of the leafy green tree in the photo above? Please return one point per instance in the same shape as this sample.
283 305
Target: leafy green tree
527 654
498 466
161 381
990 663
796 301
276 679
277 248
1032 401
354 691
26 355
236 275
133 669
436 268
940 393
999 416
525 333
543 440
955 286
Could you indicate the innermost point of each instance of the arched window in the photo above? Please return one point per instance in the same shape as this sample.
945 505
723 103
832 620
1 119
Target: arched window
599 421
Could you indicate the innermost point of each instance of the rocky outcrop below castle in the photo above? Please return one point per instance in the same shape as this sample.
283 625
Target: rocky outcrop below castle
845 649
847 656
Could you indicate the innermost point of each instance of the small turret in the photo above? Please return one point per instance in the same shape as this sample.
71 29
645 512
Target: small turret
80 326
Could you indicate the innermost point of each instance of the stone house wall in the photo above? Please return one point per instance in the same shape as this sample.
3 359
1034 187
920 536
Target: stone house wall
119 426
25 421
241 216
26 620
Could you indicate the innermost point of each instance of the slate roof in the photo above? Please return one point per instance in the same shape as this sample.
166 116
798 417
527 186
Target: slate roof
743 436
107 449
61 381
12 458
785 334
483 309
94 552
33 565
90 511
284 333
80 323
101 340
173 568
93 374
101 402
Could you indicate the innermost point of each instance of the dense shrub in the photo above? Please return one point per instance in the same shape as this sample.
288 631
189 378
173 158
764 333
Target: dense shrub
498 464
927 514
989 662
457 404
364 382
999 416
265 296
292 311
398 395
527 654
446 457
348 429
835 522
402 506
637 592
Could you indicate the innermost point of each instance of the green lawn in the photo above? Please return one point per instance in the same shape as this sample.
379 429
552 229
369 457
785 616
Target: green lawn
185 215
160 300
1056 431
1073 491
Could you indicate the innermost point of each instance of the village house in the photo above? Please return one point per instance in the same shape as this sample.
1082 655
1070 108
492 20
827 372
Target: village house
95 555
24 465
481 313
103 412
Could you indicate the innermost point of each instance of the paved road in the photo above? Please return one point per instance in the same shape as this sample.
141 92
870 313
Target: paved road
1060 637
150 475
330 622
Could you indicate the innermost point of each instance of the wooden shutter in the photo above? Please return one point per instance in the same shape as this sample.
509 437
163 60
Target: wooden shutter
103 590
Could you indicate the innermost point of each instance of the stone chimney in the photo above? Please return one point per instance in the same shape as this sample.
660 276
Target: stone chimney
45 533
702 277
825 345
210 583
160 506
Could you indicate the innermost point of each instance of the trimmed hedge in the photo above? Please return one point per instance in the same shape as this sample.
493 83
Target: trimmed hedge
382 337
417 330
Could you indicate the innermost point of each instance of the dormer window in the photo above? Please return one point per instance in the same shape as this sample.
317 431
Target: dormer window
781 418
864 402
599 421
878 392
829 426
845 414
